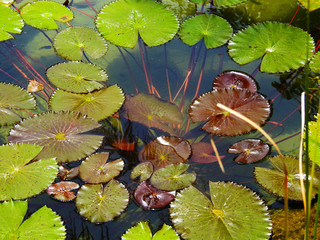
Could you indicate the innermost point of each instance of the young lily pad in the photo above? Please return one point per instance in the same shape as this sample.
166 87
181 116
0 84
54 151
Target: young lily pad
234 212
101 204
273 179
282 46
62 191
77 77
151 198
225 3
154 23
251 150
142 232
152 112
95 168
13 97
219 122
142 170
43 224
17 171
72 42
67 174
11 22
97 105
215 30
315 63
43 14
311 5
172 177
64 135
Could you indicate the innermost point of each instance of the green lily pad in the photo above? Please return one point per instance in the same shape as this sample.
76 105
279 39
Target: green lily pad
313 4
315 63
273 179
64 135
121 22
17 171
314 143
234 212
13 97
215 30
224 3
10 22
77 77
142 170
71 42
97 105
43 14
282 46
102 204
43 224
172 177
142 232
95 168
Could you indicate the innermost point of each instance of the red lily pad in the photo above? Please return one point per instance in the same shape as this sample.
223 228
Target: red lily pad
202 152
219 122
235 79
62 191
151 198
251 150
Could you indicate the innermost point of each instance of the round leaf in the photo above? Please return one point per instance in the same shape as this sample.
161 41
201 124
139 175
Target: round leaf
62 190
121 21
102 204
166 233
141 231
78 77
282 46
97 105
142 170
43 14
215 30
10 22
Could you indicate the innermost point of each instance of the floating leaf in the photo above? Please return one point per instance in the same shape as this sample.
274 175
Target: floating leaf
62 191
224 3
95 168
43 14
311 5
121 22
251 150
97 105
151 198
252 105
314 143
202 152
152 112
71 43
64 135
78 77
315 63
282 46
273 179
67 174
10 22
43 224
181 8
235 79
17 171
142 170
172 177
13 97
6 3
215 30
234 212
102 204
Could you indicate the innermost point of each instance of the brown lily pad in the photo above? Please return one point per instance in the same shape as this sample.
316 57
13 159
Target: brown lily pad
219 122
251 150
68 173
62 191
235 79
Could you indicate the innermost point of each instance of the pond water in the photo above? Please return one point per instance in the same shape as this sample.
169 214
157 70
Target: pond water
283 124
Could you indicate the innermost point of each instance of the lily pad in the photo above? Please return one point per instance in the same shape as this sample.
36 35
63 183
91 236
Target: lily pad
215 30
282 46
10 22
225 3
17 170
120 22
314 144
151 198
13 97
77 77
172 177
64 135
97 105
312 4
95 168
66 174
234 212
102 204
273 179
152 112
142 170
43 224
315 63
252 105
142 232
43 14
181 8
72 42
62 191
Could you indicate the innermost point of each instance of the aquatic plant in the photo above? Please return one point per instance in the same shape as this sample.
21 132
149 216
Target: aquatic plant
14 23
62 191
